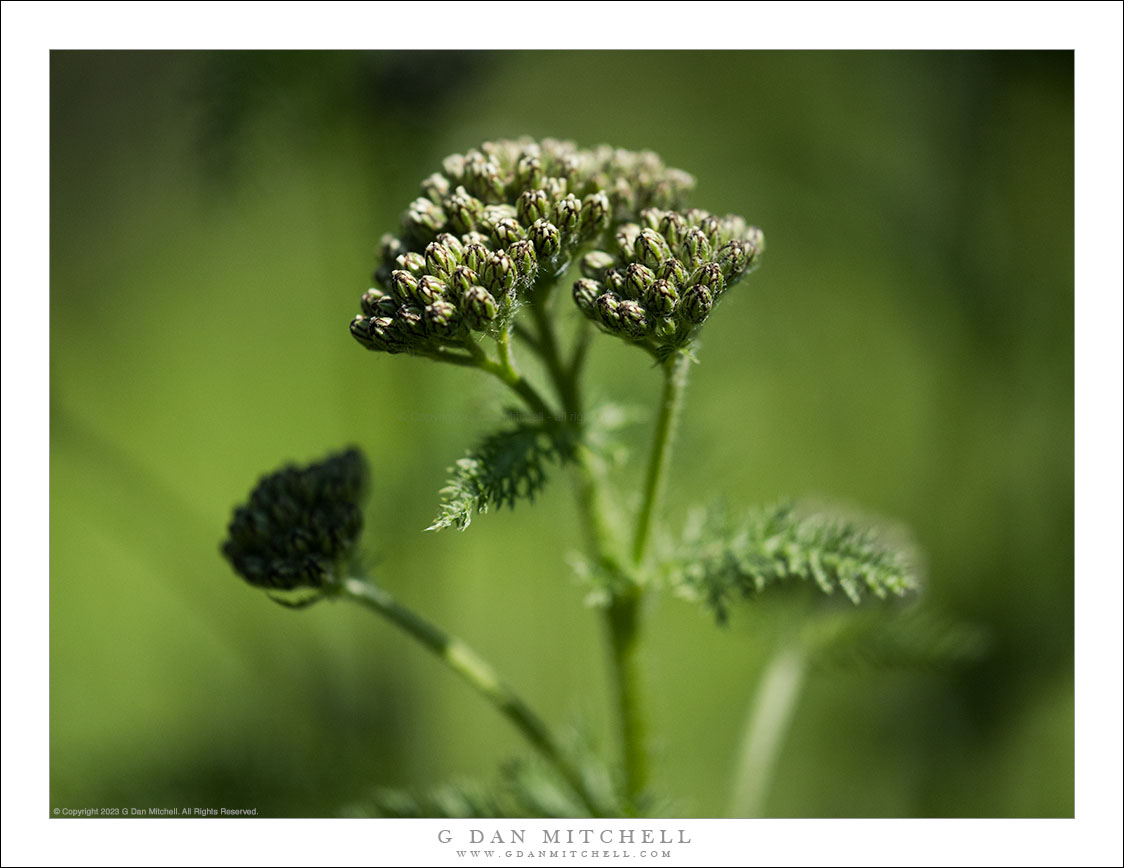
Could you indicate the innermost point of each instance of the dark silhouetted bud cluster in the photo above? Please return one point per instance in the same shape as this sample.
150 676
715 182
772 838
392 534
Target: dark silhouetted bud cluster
660 277
301 524
491 223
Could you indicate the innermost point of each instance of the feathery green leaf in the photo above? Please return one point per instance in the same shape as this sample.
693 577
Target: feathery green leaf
722 557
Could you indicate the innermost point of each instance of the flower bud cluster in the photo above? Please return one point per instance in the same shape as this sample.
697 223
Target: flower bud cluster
660 278
489 224
300 525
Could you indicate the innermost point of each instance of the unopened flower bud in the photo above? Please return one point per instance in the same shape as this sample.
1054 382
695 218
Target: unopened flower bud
507 231
464 211
651 248
453 243
710 276
441 319
390 248
525 259
498 274
733 258
529 173
429 289
695 249
673 227
555 188
435 187
412 262
473 237
439 260
696 303
660 298
566 214
532 205
370 301
711 226
627 233
595 263
546 238
463 277
649 218
404 286
484 179
614 281
634 322
674 272
637 279
409 320
586 293
475 255
361 331
665 329
478 308
608 311
756 239
596 212
386 330
423 220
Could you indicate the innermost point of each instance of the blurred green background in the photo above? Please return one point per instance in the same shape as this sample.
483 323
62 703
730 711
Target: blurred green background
907 346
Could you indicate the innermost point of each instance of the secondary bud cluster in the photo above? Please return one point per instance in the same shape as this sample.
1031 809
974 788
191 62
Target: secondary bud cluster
661 276
485 228
300 525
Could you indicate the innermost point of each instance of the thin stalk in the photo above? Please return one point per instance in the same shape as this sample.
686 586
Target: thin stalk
479 675
767 724
671 403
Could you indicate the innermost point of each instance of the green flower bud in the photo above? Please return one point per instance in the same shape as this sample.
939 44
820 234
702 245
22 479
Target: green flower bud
463 277
695 249
484 179
386 330
412 262
532 205
711 226
733 258
435 187
478 308
586 293
495 214
660 298
473 238
627 233
441 319
651 248
529 173
665 329
756 239
674 272
300 525
673 227
637 279
507 231
475 256
733 226
596 212
710 276
404 286
695 305
614 281
634 322
566 214
423 220
453 166
608 311
370 301
595 263
453 243
555 188
439 260
498 274
622 197
429 289
464 211
525 259
546 238
361 331
409 321
650 218
390 248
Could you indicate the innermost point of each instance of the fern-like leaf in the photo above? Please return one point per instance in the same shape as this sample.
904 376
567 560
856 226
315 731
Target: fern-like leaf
507 466
722 557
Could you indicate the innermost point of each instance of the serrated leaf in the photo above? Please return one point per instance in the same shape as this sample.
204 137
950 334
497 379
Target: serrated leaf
721 558
507 466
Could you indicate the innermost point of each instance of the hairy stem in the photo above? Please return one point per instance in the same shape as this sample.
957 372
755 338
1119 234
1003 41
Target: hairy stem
768 721
479 674
671 403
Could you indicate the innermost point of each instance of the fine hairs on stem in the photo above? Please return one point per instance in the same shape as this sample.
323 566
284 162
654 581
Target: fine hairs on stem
506 244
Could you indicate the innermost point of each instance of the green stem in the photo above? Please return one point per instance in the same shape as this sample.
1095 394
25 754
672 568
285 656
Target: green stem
478 674
768 721
671 403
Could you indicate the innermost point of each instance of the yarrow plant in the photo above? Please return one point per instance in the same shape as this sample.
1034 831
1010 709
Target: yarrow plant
506 245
